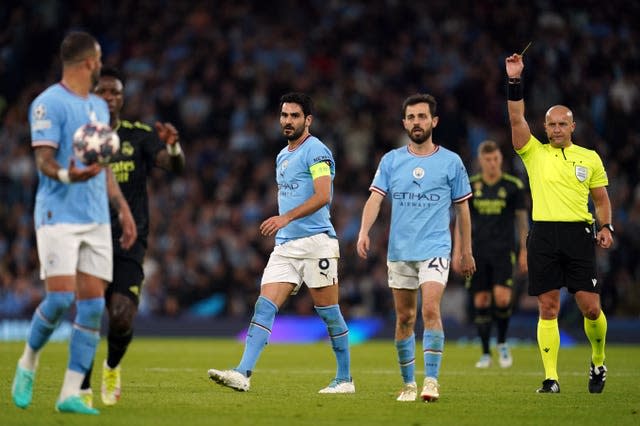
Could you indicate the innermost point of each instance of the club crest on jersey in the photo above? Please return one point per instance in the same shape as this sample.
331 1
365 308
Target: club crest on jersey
581 173
127 149
283 167
477 189
418 173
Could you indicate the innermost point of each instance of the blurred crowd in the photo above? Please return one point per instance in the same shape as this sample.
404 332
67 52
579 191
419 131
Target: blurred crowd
216 69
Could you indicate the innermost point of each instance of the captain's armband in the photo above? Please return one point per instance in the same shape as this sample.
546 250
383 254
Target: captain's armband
320 169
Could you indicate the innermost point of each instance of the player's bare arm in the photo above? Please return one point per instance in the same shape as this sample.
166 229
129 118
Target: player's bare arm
463 217
48 165
456 255
369 215
321 196
172 158
520 132
119 203
522 224
600 196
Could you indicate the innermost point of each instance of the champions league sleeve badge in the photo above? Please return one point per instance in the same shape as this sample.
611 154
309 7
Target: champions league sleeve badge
40 121
581 173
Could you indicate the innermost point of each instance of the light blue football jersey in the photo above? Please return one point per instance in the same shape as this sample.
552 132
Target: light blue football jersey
295 186
422 189
54 117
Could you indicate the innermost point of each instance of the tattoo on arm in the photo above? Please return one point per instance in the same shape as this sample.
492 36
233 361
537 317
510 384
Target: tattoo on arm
116 201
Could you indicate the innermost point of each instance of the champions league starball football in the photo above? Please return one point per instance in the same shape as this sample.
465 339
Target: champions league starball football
95 143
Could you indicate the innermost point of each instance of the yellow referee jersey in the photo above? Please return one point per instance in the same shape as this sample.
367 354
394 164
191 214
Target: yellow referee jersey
560 180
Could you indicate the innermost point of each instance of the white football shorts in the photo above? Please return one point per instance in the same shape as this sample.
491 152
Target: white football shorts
311 260
410 275
64 249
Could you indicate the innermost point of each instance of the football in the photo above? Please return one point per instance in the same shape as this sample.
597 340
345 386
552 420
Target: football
95 143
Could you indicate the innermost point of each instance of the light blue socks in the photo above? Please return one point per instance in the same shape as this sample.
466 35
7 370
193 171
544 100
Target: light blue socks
339 334
86 334
407 358
257 335
432 346
47 316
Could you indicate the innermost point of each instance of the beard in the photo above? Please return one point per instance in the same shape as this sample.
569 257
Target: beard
95 77
295 135
420 139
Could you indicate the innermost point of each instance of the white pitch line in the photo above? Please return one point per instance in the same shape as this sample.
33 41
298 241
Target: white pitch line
489 372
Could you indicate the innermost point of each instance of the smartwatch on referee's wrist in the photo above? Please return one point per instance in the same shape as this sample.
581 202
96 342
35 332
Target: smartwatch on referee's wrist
608 226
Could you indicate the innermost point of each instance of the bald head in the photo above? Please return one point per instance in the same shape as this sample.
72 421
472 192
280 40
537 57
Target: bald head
559 110
559 125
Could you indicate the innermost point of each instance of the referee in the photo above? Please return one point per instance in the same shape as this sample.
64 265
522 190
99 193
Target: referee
562 240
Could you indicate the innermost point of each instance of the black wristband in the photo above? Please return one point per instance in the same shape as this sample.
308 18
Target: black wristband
514 89
608 226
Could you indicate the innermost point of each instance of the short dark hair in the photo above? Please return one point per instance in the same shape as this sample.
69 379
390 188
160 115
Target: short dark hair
76 46
487 147
108 71
302 99
419 98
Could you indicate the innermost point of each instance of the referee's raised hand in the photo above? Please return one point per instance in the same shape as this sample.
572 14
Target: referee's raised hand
514 65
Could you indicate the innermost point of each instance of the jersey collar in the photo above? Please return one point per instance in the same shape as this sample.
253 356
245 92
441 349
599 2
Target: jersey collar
435 149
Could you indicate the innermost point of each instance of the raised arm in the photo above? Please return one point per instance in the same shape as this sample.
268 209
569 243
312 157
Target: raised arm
369 216
520 131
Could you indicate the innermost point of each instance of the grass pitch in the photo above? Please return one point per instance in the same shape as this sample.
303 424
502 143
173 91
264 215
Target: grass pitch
165 383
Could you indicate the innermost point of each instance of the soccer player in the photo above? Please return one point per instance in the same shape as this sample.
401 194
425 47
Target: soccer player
498 204
306 248
563 237
72 223
141 149
422 181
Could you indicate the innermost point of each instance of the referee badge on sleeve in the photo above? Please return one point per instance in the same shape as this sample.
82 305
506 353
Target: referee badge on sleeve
581 173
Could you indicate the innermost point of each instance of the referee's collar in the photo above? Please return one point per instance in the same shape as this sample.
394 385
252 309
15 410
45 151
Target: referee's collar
571 144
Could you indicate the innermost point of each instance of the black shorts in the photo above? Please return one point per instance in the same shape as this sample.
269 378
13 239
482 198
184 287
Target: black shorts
127 279
561 254
496 269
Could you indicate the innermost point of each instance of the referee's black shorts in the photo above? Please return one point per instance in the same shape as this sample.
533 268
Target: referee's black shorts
562 254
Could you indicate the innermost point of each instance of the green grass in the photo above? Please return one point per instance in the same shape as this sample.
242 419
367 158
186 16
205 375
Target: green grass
165 383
